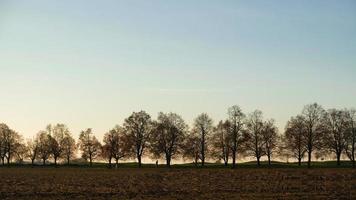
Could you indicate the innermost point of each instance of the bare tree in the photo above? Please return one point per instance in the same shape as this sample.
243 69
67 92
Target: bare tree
221 141
294 137
68 146
192 148
313 121
270 137
138 128
203 126
32 149
44 146
89 145
168 136
236 117
254 143
351 135
335 127
115 145
10 141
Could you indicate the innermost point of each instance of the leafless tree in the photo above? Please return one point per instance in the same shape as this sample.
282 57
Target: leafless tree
168 136
313 114
335 127
10 141
351 135
68 146
192 148
221 142
89 145
294 137
270 137
203 126
44 146
115 145
236 118
254 143
138 128
32 149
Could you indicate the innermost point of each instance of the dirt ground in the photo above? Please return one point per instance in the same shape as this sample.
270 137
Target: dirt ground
81 183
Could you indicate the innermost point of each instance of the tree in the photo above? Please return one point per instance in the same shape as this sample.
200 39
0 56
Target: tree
89 145
168 136
351 135
10 141
114 145
294 137
203 126
32 150
335 125
44 146
270 138
192 148
255 145
313 121
236 118
221 141
68 147
138 128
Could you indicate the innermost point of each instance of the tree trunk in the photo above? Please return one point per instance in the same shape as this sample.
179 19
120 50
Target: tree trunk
68 159
168 161
44 161
299 161
338 155
109 162
258 161
226 162
8 160
269 159
90 161
32 161
309 158
117 163
55 161
139 161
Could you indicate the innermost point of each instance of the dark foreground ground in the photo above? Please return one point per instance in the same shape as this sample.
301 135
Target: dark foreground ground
150 183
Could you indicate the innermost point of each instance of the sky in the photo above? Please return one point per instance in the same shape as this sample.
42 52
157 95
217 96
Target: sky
90 64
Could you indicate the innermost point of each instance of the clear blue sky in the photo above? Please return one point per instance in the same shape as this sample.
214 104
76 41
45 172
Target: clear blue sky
91 63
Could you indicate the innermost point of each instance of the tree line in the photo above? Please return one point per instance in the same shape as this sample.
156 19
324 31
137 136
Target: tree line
315 132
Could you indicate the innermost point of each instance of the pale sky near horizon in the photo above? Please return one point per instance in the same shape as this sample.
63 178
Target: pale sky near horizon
92 63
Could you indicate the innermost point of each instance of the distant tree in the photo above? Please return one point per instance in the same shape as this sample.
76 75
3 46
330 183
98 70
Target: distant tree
168 136
221 141
115 146
254 142
138 128
270 137
351 135
68 146
313 114
32 150
10 141
294 137
21 152
236 118
335 127
203 126
89 145
192 148
44 146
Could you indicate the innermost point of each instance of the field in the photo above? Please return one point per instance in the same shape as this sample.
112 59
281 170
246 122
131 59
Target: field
154 183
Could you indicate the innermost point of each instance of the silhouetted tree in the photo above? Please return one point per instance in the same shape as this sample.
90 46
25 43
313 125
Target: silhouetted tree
294 137
236 118
335 127
312 114
32 149
44 146
255 145
68 146
203 126
138 128
351 135
221 141
192 148
89 145
168 136
115 145
10 141
270 138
